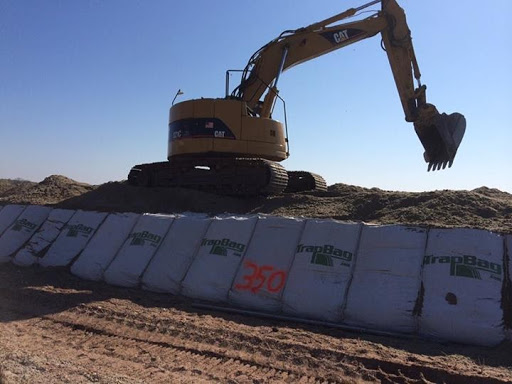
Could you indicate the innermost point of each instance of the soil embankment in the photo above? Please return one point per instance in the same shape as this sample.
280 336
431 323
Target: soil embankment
483 208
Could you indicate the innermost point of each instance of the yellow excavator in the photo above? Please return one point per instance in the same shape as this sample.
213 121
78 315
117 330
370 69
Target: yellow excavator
232 145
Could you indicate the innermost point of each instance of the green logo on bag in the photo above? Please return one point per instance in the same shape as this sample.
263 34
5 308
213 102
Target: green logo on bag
221 247
23 224
140 238
467 266
324 254
75 230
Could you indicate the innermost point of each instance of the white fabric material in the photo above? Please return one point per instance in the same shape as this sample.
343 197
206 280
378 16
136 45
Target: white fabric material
260 280
102 248
321 270
22 230
137 251
43 238
386 280
73 238
8 215
462 277
218 257
172 260
508 240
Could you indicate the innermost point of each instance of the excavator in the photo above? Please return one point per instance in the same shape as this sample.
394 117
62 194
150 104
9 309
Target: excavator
232 145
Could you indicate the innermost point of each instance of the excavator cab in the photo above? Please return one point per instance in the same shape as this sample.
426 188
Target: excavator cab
441 136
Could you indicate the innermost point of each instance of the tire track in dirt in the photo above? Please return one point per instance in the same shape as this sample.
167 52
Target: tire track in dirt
131 357
245 355
383 370
88 333
218 366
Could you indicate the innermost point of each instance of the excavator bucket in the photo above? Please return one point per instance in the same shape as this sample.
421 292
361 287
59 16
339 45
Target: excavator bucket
441 137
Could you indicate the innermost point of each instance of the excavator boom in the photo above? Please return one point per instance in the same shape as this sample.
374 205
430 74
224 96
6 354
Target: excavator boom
440 134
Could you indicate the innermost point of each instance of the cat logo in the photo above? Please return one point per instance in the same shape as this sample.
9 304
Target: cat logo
340 36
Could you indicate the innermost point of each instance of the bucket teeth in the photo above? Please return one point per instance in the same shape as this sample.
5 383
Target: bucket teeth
436 166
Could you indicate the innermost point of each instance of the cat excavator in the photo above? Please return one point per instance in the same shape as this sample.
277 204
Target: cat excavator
232 145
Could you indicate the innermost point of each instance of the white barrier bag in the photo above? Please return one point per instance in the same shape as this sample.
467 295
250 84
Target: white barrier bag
507 305
8 215
172 260
137 251
463 276
261 278
386 281
211 273
102 248
22 230
43 238
321 270
73 238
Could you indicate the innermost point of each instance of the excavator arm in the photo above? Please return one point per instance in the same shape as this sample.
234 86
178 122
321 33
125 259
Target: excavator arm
440 134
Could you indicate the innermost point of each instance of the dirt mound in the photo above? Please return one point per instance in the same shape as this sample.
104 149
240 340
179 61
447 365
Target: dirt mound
10 186
481 208
50 191
61 181
492 192
484 208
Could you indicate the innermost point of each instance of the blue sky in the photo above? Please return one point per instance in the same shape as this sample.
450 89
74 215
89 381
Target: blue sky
85 87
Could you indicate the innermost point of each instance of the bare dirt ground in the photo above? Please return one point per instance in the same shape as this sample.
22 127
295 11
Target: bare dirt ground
56 328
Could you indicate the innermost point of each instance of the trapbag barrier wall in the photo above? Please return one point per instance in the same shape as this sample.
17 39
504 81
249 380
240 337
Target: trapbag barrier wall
218 257
172 260
262 275
138 249
321 270
386 282
8 214
450 284
103 247
22 230
39 243
463 276
507 291
73 238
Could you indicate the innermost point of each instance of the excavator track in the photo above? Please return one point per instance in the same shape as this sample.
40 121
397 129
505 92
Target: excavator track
226 176
300 181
